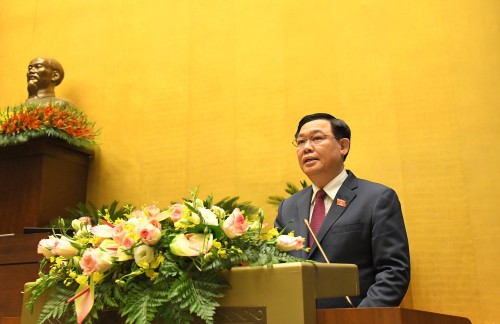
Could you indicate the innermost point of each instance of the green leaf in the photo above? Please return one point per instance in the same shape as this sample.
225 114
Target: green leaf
198 293
290 189
57 306
142 303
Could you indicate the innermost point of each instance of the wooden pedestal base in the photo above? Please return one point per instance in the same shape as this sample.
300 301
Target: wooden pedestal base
39 179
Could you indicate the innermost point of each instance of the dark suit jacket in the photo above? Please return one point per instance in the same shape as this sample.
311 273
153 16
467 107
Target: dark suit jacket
369 232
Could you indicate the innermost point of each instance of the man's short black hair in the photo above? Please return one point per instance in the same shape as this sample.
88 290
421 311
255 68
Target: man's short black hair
339 127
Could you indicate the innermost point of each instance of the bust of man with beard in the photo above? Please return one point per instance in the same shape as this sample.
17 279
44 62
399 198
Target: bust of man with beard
44 74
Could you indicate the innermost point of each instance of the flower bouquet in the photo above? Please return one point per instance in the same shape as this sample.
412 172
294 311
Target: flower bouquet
153 264
21 123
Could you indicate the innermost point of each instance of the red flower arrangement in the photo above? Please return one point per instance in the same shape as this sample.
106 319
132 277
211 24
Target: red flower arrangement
28 121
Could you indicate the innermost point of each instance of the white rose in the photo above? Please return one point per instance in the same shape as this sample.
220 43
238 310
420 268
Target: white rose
208 216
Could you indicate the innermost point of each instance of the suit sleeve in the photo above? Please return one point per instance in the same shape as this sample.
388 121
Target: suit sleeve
278 221
391 256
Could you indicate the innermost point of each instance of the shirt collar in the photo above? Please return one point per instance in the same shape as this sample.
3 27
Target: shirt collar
332 187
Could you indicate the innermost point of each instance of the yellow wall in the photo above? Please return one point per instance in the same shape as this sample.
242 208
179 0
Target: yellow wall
209 93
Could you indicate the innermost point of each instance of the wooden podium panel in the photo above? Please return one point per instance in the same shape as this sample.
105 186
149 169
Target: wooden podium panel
10 320
19 263
39 179
386 315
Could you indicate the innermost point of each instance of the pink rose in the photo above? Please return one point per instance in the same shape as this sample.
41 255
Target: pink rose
235 225
64 248
122 236
150 234
151 211
138 214
85 220
175 212
118 233
191 244
288 243
45 247
128 242
155 223
95 260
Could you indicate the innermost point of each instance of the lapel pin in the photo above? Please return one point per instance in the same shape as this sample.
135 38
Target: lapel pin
341 203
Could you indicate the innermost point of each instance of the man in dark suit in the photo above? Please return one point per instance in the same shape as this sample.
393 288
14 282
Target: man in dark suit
361 224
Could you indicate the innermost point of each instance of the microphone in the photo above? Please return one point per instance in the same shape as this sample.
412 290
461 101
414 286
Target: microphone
323 253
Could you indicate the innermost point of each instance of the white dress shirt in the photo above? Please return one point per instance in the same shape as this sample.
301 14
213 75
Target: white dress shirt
331 190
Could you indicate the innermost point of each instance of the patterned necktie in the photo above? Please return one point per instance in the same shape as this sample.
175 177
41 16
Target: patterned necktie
318 214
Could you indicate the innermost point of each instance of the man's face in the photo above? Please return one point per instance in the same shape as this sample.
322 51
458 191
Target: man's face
40 74
323 161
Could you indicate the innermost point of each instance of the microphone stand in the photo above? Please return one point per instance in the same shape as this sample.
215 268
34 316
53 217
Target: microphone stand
323 253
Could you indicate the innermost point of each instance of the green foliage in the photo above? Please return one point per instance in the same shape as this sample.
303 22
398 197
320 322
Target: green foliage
57 306
291 189
45 283
230 203
172 315
95 213
142 302
113 210
197 293
108 295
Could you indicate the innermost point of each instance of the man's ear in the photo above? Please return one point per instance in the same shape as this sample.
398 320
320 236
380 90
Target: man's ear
55 76
345 145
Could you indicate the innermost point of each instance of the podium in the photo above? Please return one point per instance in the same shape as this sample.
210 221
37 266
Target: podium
19 263
386 315
284 293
